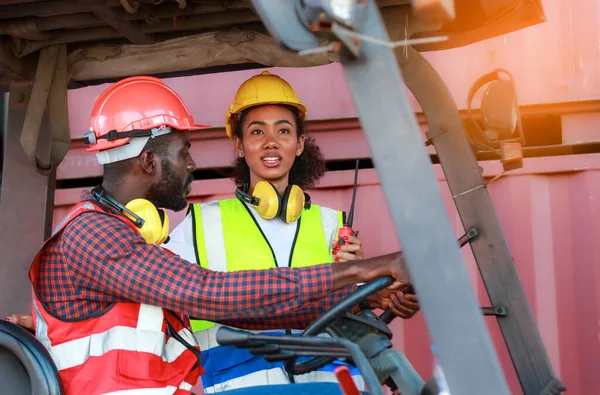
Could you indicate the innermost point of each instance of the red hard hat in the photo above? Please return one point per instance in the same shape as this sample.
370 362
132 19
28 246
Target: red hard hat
135 107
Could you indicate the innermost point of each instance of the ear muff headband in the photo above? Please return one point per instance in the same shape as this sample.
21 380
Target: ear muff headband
152 223
270 204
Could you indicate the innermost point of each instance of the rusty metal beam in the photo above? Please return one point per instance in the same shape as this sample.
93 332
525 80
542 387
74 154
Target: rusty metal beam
149 13
197 23
474 206
169 10
40 8
116 19
26 207
71 21
203 21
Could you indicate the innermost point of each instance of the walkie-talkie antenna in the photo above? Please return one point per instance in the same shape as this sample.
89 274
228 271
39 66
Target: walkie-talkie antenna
351 212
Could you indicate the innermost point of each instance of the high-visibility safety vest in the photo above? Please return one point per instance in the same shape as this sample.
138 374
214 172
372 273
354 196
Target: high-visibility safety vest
129 348
228 238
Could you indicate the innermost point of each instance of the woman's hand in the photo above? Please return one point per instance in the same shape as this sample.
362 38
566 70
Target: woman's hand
350 251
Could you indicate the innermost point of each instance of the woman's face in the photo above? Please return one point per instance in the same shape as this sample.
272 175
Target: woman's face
270 143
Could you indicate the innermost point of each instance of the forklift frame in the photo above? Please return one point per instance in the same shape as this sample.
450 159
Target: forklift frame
464 348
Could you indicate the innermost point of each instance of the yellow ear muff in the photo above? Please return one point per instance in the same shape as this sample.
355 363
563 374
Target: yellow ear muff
292 204
268 199
156 224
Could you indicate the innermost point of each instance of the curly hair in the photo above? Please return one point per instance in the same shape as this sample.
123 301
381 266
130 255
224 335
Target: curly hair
307 169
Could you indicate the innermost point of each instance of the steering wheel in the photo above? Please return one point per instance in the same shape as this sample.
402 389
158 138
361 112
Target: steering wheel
292 366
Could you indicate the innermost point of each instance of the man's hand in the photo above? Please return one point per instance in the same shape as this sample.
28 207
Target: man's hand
386 265
23 320
350 251
354 272
403 305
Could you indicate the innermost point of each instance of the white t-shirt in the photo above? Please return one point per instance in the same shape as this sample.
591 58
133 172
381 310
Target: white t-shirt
278 234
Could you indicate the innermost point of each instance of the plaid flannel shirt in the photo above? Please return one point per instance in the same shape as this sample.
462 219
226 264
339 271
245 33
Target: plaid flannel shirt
98 260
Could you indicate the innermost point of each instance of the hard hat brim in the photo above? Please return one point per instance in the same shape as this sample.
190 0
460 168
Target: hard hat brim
231 116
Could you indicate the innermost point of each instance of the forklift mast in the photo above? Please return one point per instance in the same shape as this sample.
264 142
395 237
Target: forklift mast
355 31
377 64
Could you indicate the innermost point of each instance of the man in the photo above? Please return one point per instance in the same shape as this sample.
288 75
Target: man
105 295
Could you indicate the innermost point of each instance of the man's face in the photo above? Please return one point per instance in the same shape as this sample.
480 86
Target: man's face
175 175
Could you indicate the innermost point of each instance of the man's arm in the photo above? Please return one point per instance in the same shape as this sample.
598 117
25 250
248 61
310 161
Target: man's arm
106 255
297 319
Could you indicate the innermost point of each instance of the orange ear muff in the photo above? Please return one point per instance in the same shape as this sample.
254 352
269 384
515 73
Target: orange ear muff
155 229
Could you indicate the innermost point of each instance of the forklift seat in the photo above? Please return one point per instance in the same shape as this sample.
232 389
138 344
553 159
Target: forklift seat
25 365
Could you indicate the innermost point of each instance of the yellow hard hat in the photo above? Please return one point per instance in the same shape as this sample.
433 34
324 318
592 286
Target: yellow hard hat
265 88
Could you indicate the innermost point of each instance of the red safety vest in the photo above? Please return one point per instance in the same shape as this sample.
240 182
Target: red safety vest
131 346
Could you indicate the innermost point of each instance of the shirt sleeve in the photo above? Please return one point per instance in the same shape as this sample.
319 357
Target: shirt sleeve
106 255
297 319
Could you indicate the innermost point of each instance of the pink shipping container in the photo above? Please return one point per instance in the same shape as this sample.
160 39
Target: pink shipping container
550 217
549 210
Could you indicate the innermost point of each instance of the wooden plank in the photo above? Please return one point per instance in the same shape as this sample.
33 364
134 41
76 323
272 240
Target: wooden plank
194 52
11 66
37 104
116 19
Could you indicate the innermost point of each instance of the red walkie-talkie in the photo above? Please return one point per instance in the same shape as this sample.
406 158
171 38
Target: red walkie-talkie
346 231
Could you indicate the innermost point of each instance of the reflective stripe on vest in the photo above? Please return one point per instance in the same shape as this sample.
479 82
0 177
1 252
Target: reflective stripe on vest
227 238
127 349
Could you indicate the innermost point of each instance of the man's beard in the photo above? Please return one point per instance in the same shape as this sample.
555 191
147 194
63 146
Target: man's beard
168 192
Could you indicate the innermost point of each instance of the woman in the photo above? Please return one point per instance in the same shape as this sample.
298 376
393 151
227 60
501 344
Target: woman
271 219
